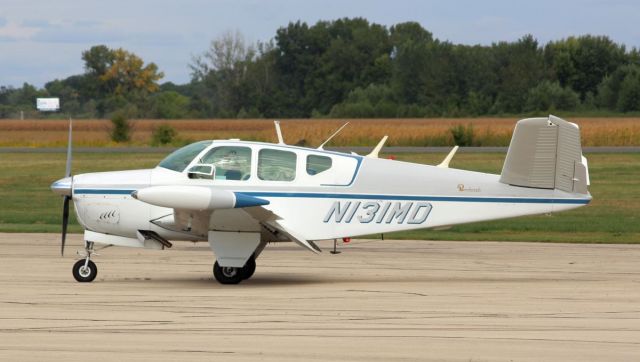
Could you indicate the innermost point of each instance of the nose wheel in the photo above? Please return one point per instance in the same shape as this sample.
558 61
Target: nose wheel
84 270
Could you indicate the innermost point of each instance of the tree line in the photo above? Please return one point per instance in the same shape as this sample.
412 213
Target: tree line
356 69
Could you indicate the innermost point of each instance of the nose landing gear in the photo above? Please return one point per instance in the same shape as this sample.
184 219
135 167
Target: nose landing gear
84 270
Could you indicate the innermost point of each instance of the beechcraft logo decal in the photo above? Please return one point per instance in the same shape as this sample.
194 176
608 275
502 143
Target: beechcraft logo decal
378 212
463 188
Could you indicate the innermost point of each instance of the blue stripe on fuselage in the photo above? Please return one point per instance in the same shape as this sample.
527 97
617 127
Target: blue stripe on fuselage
102 192
310 195
522 200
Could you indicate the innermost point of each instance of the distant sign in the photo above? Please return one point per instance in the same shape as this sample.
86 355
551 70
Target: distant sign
48 104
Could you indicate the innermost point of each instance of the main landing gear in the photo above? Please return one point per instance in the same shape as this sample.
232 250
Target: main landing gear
84 270
233 275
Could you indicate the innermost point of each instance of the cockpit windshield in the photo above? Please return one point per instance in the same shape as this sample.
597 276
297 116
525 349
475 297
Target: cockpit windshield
181 158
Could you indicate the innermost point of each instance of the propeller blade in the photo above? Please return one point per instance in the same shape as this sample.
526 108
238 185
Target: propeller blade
65 222
60 186
68 169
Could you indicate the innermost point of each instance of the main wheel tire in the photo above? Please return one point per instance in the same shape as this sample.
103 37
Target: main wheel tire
248 269
84 274
227 275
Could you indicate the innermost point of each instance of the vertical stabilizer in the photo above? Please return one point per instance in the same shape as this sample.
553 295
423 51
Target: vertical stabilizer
546 153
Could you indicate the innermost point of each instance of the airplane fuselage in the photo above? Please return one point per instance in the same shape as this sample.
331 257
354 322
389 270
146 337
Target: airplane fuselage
376 196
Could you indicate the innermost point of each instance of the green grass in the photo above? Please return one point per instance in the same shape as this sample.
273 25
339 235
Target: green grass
612 216
29 206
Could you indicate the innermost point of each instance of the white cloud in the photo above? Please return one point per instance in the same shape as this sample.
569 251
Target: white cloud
15 31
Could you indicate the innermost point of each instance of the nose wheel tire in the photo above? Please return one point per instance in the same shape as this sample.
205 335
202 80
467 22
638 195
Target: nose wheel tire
227 274
85 274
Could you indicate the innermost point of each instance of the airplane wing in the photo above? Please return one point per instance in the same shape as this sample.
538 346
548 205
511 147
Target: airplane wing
193 205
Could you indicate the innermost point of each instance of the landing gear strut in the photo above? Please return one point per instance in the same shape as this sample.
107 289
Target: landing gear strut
233 275
84 270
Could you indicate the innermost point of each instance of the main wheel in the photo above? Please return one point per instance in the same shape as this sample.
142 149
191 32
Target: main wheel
227 274
85 274
248 269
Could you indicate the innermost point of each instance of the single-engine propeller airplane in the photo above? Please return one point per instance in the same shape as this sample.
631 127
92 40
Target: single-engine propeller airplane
239 196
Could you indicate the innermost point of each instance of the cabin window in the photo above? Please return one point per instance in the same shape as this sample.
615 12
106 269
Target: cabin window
231 162
317 164
180 159
276 165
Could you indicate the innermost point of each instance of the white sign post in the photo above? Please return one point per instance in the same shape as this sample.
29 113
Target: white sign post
48 104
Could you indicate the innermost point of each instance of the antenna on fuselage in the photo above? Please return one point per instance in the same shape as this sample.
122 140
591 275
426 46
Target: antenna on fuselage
445 162
279 132
333 135
376 150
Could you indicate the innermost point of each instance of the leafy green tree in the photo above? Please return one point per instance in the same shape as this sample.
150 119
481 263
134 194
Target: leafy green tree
223 70
618 91
519 67
348 61
629 96
121 128
129 74
318 66
98 59
163 134
117 78
582 62
463 135
170 105
410 61
373 101
550 96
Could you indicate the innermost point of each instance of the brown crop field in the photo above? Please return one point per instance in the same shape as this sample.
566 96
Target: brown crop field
614 131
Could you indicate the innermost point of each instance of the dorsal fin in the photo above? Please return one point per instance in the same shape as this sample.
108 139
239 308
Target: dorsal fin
376 150
333 135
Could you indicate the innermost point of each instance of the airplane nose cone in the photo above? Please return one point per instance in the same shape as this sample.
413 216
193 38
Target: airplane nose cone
62 186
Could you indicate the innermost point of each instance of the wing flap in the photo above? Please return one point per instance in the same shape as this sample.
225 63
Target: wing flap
274 221
295 237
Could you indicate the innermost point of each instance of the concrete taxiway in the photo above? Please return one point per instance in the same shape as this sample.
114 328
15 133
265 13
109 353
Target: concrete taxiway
376 301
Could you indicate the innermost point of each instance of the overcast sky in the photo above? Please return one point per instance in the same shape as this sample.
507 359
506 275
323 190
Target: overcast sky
41 40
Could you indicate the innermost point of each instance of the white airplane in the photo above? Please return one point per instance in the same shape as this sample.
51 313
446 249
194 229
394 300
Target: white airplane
239 196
